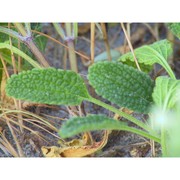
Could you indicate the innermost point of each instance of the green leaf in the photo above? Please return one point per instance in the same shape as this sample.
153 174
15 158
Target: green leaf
40 41
175 28
20 53
49 86
122 85
103 56
157 52
144 68
78 125
6 54
173 127
166 92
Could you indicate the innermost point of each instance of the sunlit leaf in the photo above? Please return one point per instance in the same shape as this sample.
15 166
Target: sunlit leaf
166 92
157 52
122 85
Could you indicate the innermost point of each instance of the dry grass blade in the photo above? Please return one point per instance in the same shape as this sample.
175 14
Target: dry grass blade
20 151
92 41
103 27
130 45
58 42
41 120
6 146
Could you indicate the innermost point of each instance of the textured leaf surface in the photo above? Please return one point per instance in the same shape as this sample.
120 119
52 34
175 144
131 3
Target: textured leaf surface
78 125
122 85
157 52
50 86
97 122
166 92
175 29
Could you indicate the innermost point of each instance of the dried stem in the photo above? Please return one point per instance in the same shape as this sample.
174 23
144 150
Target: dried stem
103 27
130 46
92 41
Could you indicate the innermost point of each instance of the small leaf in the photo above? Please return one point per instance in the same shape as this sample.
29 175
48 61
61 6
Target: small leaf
166 92
175 28
49 86
157 52
122 85
78 125
103 56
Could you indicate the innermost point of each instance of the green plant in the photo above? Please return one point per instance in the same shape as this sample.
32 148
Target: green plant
119 83
69 37
34 43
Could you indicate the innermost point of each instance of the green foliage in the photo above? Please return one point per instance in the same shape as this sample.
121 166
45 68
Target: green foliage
175 28
103 56
122 85
173 127
166 115
144 68
39 40
49 86
18 52
78 125
166 92
157 52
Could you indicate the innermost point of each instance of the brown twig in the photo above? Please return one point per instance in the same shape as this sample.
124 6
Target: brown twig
130 46
92 41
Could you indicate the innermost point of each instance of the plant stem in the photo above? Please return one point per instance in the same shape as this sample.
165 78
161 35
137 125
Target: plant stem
72 56
92 41
105 37
29 42
70 43
140 132
37 53
163 142
123 114
59 30
10 32
163 130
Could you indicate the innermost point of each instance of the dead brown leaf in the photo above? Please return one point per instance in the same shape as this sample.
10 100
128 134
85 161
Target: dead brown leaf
75 148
